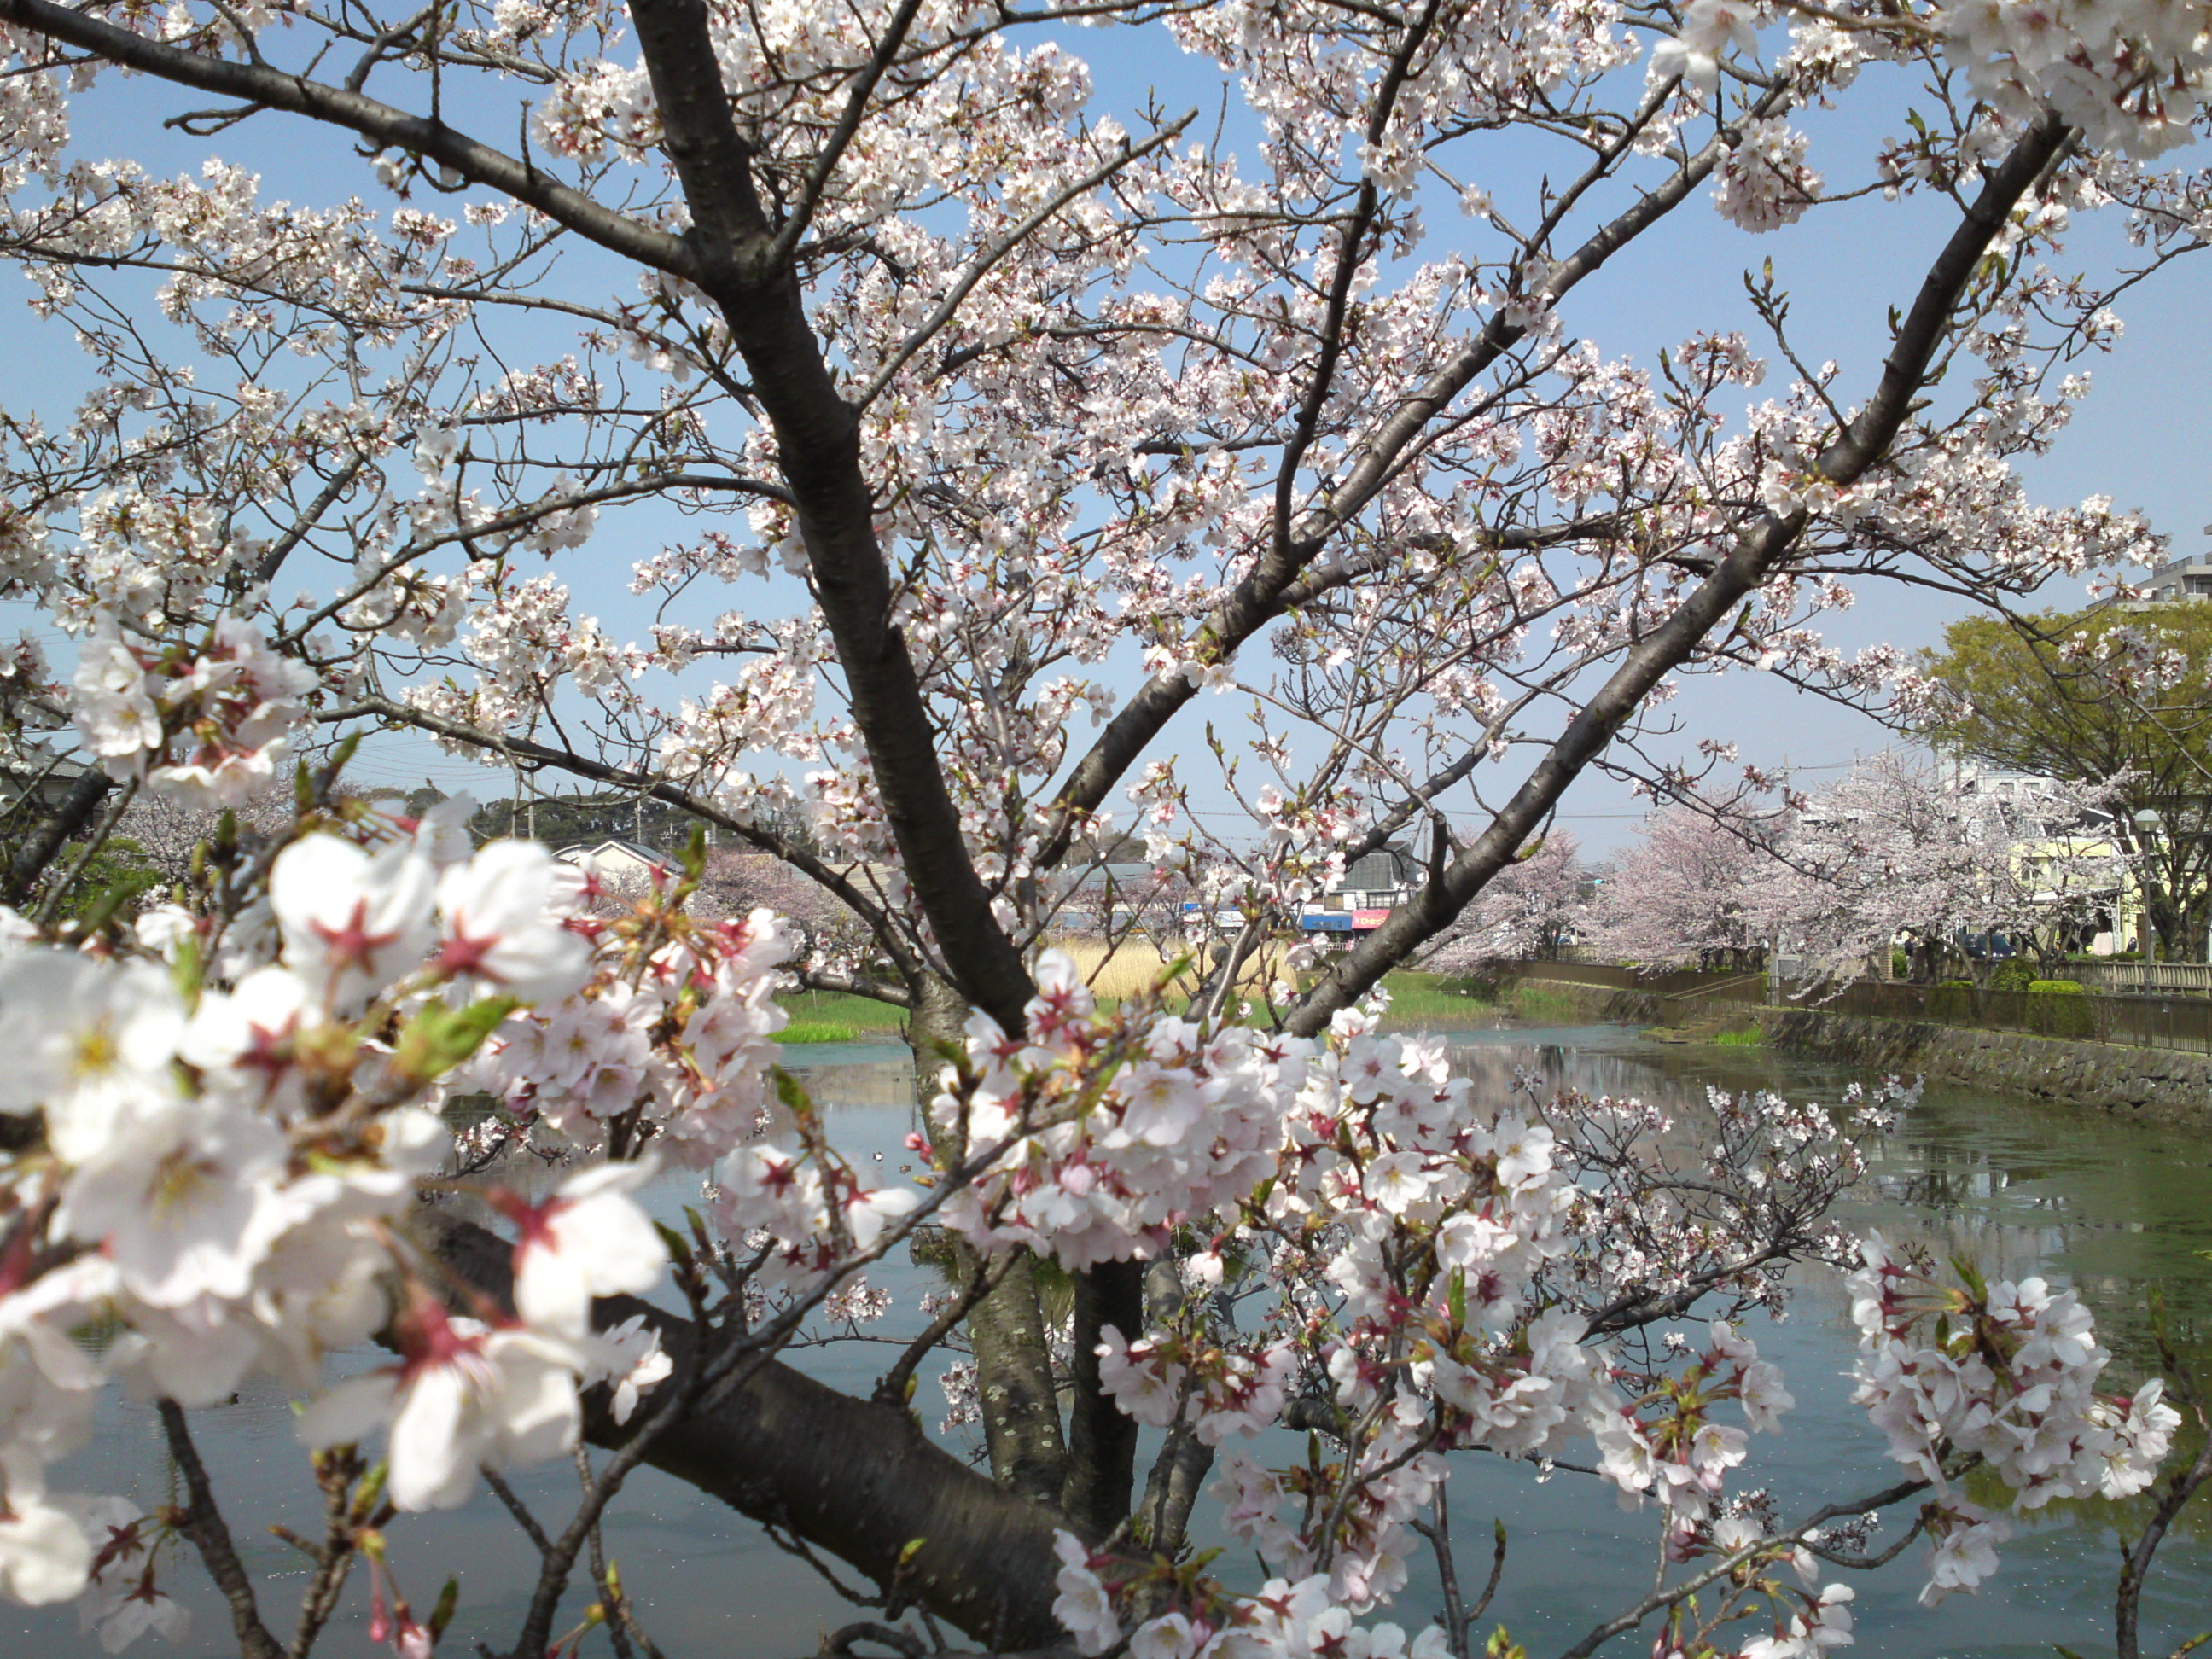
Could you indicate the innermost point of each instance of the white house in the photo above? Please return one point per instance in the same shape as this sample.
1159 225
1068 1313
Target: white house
620 862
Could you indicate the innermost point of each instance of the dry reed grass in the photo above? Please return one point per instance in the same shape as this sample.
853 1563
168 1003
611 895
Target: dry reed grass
1135 967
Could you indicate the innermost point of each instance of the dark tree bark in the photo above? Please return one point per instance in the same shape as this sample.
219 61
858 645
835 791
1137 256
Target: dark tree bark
67 819
857 1478
1102 1465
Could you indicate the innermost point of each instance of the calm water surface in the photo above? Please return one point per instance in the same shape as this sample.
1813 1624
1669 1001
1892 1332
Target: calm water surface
2112 1206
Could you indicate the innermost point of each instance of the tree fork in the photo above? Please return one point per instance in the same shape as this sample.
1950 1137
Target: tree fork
757 288
1014 1386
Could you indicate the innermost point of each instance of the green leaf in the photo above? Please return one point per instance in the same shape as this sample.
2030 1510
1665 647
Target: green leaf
439 1038
442 1614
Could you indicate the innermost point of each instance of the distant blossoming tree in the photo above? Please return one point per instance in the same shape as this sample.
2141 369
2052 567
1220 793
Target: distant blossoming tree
1903 851
1532 907
1696 887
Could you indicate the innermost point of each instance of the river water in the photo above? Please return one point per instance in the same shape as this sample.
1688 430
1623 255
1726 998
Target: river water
2112 1206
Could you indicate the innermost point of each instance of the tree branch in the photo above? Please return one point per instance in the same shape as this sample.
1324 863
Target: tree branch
203 1523
857 1478
1757 550
1263 595
269 87
76 811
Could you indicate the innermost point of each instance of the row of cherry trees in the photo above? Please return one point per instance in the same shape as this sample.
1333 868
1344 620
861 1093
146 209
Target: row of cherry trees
993 449
1903 852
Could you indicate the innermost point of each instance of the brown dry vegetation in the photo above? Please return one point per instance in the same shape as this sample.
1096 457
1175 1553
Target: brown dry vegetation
1135 967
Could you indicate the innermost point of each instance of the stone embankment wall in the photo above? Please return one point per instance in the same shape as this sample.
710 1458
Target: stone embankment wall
2154 1085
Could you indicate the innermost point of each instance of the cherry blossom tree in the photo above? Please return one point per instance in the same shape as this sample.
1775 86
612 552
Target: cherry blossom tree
1531 908
1902 851
1907 851
1697 885
972 422
830 940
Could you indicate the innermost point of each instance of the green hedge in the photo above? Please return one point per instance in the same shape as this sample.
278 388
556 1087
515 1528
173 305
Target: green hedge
2061 1008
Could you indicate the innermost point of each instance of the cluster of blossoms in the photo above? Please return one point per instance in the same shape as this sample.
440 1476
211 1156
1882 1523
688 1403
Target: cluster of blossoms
2000 1374
1436 1277
1282 1621
1107 1132
1416 1253
670 1049
2134 79
207 726
224 1136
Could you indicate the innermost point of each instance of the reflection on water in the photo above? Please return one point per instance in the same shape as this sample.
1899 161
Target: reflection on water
2112 1206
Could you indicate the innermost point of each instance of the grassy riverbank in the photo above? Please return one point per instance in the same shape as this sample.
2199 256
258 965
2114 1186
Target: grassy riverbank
833 1017
1415 999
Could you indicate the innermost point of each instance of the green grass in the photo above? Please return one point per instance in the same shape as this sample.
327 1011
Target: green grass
1755 1038
833 1017
816 1031
1533 1001
1440 1001
1413 994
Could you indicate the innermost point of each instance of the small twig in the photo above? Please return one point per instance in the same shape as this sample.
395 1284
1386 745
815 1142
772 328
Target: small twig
596 1559
899 1641
1438 1533
202 1522
1496 1572
515 1507
335 1472
893 1386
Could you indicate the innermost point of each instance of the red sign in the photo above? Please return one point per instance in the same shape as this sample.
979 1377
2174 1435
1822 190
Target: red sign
1366 921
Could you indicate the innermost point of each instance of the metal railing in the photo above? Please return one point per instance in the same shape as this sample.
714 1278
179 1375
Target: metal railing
2138 978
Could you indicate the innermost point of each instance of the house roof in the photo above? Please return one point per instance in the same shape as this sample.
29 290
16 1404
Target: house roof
583 850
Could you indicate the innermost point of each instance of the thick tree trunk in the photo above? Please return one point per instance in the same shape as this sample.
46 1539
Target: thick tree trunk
1014 1384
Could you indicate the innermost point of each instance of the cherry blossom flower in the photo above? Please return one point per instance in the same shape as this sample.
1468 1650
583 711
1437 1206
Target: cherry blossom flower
636 1365
498 930
353 921
1083 1607
44 1553
93 1046
464 1395
589 1239
123 1602
187 1205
